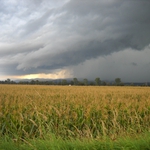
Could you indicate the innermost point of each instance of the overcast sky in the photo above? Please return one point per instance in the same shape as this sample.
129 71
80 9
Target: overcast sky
75 38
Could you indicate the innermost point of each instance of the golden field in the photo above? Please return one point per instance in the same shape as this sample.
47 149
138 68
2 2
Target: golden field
30 111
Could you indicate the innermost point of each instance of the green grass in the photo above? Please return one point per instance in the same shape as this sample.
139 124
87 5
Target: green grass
139 143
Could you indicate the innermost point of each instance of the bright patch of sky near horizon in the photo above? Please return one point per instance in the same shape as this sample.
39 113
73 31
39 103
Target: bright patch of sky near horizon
73 38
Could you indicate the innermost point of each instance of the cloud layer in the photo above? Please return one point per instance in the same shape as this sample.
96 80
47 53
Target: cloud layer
42 36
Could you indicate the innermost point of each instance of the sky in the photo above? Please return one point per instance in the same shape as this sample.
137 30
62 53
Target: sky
75 38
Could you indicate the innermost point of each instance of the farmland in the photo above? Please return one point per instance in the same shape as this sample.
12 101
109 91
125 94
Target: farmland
73 112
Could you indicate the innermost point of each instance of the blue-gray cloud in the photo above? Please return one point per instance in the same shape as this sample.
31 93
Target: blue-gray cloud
41 35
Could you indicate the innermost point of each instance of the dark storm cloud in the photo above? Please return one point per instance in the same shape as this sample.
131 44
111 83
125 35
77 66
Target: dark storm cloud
56 34
134 64
34 25
128 19
84 50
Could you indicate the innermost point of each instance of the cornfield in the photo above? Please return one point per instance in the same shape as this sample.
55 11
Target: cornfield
73 111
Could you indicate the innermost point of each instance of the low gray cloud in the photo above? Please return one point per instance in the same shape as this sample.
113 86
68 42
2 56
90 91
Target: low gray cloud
134 64
35 25
42 36
129 65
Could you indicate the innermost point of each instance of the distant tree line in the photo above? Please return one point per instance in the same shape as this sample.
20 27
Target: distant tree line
74 81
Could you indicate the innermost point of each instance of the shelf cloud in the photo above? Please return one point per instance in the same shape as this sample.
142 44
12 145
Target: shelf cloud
82 37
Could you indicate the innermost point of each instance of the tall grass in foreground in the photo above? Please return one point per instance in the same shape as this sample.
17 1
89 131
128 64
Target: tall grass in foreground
28 112
142 143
